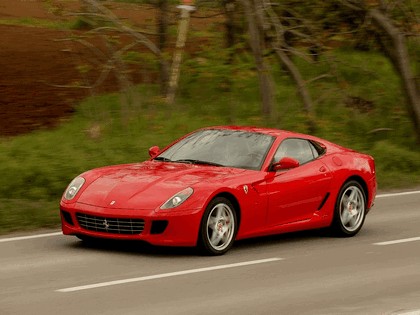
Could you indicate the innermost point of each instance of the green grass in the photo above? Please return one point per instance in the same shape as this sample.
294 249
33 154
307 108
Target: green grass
37 167
26 214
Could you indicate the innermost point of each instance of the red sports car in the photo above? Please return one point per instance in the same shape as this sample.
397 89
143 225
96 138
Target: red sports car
220 184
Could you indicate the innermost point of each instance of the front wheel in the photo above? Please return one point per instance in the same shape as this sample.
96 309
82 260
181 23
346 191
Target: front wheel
350 210
218 227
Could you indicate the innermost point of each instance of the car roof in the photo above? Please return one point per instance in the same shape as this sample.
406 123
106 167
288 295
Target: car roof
268 131
280 134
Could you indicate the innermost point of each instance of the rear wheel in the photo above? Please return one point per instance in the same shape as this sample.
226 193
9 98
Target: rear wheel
350 209
218 227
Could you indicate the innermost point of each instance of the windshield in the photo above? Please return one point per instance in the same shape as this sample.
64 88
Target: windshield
221 147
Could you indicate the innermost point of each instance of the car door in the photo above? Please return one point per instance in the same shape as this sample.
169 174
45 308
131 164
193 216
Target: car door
296 194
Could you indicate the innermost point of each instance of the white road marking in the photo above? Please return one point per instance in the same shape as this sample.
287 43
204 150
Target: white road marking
398 194
166 275
412 239
413 312
20 238
405 240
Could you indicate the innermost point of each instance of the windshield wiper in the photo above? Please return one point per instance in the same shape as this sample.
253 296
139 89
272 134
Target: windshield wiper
161 158
192 161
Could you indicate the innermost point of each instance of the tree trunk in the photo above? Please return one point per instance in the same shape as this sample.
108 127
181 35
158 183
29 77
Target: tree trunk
301 86
277 43
176 62
264 77
162 25
229 8
400 58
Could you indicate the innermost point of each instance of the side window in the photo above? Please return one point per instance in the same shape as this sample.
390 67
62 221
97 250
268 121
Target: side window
299 149
314 150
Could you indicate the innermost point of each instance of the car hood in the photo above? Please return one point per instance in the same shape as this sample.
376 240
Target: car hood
149 184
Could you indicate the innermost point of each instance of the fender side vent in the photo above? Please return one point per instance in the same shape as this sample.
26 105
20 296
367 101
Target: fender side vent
324 201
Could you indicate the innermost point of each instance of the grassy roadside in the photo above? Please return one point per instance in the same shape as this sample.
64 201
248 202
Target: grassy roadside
37 167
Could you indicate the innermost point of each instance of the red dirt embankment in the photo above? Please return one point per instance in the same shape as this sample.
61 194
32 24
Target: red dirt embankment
35 61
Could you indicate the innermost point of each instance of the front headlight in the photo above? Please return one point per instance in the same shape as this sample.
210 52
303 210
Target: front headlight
177 199
73 188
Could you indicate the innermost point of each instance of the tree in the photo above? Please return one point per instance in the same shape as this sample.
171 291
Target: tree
256 42
105 24
267 31
283 51
162 26
229 10
394 43
180 44
111 23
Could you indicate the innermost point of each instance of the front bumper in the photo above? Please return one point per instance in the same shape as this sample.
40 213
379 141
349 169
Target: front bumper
163 227
372 187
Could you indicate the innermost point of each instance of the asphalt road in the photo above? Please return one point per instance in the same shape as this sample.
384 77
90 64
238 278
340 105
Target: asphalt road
299 273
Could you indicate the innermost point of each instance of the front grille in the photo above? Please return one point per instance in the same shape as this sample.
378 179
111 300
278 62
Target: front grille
110 225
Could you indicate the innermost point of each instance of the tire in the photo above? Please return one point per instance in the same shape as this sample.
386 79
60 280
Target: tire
350 210
218 227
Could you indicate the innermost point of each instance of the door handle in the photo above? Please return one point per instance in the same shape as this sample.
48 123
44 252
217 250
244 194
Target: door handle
322 169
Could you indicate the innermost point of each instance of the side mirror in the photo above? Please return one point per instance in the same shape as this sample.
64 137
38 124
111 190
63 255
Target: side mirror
154 151
285 164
